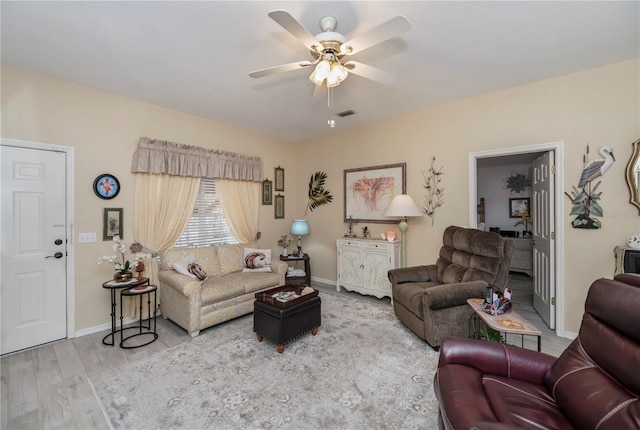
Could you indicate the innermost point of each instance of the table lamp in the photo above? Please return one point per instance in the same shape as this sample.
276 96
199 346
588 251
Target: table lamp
300 227
402 206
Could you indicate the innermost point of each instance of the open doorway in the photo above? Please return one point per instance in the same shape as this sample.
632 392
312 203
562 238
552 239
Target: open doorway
497 174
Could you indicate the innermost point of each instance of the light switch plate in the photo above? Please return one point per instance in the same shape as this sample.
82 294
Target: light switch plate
86 237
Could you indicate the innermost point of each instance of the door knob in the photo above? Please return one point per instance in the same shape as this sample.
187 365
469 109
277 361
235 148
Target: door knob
56 255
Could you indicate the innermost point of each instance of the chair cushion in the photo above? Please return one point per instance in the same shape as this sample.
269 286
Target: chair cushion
519 403
410 295
469 255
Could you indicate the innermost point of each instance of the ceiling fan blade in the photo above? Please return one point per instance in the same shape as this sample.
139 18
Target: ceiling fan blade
296 29
387 30
370 72
279 69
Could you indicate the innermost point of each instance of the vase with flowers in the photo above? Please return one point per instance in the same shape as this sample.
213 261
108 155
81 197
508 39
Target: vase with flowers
285 242
123 267
525 220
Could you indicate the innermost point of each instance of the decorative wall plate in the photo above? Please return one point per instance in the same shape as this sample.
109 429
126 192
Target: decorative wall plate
106 186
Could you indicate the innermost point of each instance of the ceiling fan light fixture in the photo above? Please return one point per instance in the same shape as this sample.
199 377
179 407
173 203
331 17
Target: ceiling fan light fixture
337 74
321 72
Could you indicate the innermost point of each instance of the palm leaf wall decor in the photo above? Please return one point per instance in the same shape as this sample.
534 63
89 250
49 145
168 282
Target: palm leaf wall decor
318 196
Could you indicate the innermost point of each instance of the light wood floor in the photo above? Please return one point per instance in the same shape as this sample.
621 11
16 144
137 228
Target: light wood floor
47 387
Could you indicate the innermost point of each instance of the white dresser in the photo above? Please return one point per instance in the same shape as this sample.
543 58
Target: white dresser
363 265
522 259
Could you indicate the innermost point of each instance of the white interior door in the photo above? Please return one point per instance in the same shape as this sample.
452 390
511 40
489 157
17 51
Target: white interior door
34 247
543 241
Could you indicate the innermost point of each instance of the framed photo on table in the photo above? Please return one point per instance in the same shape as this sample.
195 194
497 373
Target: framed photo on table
369 190
518 206
111 223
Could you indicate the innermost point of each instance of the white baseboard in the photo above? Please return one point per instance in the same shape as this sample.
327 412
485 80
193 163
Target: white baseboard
105 326
323 281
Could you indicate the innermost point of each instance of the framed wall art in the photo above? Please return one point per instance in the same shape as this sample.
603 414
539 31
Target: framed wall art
267 192
111 223
518 206
279 207
369 190
279 173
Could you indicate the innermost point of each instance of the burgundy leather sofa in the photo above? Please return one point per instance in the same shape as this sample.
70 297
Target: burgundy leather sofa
593 385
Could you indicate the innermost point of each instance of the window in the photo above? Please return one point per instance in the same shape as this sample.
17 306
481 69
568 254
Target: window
207 225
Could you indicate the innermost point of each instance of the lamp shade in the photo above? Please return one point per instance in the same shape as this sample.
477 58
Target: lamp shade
402 206
300 227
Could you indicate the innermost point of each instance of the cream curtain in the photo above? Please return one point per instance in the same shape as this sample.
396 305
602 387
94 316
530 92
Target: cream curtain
241 205
159 156
162 208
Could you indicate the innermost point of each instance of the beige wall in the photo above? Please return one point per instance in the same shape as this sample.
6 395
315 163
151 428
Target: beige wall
104 130
599 106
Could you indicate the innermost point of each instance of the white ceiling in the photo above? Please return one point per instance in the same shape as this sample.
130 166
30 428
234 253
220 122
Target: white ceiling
195 56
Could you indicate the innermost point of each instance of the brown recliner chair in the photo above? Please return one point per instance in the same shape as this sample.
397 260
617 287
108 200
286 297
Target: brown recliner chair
594 384
432 300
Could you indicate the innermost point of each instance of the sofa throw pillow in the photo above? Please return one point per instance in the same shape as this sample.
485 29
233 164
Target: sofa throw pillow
197 271
256 260
182 266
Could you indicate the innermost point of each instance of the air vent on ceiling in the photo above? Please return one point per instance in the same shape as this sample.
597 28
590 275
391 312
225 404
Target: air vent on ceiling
345 113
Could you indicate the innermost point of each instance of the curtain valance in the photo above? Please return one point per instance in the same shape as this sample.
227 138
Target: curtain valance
159 156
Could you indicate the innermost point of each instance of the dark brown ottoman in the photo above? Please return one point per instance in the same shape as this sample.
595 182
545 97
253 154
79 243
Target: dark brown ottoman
281 324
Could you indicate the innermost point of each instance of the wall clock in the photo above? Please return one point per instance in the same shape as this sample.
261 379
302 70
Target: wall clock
106 186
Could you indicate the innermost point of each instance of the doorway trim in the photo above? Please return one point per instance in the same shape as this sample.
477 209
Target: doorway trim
558 148
69 190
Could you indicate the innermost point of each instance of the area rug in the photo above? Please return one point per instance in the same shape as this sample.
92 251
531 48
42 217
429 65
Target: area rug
363 370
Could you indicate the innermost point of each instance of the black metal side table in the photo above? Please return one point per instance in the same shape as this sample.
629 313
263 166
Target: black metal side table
113 286
299 280
140 329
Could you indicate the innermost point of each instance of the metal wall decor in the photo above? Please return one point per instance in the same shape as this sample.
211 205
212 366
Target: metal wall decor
584 197
517 182
434 193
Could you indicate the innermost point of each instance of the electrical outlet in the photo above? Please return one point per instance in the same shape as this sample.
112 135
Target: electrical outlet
86 237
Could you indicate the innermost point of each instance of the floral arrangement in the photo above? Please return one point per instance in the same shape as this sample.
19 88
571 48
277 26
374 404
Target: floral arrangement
285 241
526 220
136 264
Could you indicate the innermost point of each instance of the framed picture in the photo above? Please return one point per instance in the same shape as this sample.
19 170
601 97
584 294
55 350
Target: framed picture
369 190
106 186
279 207
267 192
111 223
279 179
518 206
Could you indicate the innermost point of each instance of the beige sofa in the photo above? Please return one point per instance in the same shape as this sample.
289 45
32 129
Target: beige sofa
227 293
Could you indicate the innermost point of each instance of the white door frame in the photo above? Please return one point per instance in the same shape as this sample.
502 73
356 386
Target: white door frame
70 260
558 148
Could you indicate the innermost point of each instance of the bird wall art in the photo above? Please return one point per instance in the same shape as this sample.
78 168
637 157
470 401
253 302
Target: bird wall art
584 197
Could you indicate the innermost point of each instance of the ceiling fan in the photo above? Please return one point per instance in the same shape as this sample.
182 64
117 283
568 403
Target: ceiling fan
328 48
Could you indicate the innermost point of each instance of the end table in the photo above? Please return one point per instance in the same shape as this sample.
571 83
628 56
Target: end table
113 286
297 280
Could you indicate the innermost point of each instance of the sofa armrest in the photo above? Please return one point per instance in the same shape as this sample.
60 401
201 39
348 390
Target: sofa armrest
279 267
413 274
181 283
496 359
449 295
